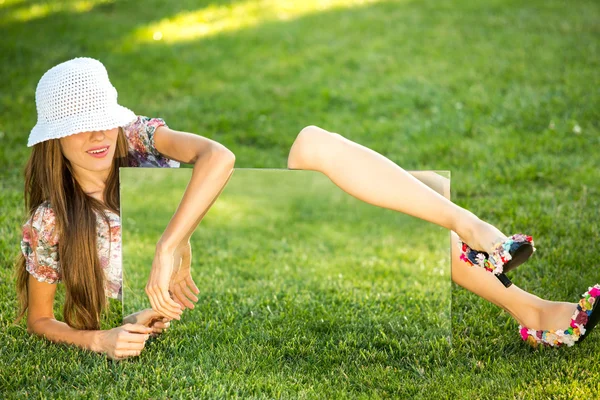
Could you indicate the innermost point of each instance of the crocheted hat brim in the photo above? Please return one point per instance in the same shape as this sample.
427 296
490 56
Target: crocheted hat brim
102 120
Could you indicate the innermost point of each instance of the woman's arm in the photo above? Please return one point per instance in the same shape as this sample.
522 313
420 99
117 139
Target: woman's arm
213 167
118 343
41 320
60 332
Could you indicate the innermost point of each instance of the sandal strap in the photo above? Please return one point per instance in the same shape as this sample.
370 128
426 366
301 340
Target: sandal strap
476 258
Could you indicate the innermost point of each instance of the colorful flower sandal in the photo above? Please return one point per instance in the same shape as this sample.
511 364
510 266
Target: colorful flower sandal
507 256
584 319
512 252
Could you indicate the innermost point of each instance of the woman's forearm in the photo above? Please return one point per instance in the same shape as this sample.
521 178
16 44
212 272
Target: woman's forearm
60 332
210 174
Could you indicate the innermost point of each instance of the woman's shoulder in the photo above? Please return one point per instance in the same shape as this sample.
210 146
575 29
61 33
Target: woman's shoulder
44 213
39 245
140 139
42 223
141 124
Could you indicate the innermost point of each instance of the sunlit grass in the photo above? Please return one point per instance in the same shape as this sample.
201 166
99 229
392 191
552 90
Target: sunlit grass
41 10
214 19
5 3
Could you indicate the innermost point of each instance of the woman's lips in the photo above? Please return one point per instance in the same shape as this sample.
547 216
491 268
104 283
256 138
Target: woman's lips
98 154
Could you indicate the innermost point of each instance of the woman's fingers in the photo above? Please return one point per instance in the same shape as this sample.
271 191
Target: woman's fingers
177 296
183 295
127 338
190 283
122 354
134 328
161 305
161 325
131 340
165 299
154 303
146 316
158 326
126 346
178 292
188 292
169 304
156 288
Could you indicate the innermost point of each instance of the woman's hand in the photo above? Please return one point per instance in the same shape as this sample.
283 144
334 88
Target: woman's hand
157 287
182 284
124 341
149 318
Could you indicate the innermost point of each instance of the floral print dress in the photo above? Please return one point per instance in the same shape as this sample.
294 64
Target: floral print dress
39 244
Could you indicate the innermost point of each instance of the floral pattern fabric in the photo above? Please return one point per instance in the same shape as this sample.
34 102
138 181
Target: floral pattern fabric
142 151
39 244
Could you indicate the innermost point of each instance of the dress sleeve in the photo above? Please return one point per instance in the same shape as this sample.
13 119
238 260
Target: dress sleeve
140 134
40 245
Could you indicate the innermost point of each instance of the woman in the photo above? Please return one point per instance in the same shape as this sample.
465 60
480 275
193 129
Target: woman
356 169
72 194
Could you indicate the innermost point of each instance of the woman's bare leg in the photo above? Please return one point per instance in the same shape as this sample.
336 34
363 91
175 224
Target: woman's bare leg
356 170
375 179
528 309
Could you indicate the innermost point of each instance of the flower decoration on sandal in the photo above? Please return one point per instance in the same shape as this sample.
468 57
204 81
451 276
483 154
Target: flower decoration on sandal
506 256
584 319
481 259
511 253
474 257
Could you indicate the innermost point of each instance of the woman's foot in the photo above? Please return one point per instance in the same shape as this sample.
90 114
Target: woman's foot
480 235
554 315
585 316
542 314
506 253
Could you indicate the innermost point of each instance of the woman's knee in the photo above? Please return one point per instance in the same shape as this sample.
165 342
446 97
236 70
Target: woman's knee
311 147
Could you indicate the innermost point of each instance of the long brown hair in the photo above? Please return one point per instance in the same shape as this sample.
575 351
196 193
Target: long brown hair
49 177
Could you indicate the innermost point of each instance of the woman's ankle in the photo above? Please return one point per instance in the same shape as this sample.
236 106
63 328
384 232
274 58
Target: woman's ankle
530 315
478 234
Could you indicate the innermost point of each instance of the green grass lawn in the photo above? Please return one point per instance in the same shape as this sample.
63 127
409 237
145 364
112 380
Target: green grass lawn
501 93
298 278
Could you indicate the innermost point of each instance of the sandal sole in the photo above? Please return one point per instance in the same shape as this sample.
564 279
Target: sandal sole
521 255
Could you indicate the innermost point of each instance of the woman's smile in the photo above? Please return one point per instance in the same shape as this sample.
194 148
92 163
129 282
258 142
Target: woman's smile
98 152
100 145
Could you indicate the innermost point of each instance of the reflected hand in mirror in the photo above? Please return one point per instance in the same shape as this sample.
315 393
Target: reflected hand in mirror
182 286
158 284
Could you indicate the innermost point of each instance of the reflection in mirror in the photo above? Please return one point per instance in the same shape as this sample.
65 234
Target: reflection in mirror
285 256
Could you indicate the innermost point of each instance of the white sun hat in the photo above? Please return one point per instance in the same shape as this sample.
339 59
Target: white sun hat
76 96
